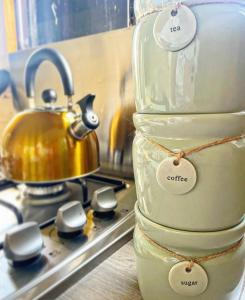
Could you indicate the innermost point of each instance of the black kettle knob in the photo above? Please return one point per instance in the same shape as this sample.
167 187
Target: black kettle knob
49 96
89 117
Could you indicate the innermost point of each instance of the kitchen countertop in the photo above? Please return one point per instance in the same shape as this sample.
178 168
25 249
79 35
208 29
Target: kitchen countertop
113 279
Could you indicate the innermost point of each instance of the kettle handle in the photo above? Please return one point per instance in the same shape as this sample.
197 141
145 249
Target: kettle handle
58 60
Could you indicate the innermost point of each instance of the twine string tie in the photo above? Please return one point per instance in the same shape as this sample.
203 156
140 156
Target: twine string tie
184 153
193 260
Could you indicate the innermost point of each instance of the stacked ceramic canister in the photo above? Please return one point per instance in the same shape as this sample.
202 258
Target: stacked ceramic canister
189 148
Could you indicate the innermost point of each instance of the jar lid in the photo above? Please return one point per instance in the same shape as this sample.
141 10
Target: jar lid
195 126
173 238
142 7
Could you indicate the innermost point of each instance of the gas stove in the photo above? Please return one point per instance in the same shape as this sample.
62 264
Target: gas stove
105 205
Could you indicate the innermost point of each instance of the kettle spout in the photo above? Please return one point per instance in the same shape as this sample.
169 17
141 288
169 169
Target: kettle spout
87 121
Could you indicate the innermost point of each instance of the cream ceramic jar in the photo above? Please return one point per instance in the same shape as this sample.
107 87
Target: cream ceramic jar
204 76
222 276
217 199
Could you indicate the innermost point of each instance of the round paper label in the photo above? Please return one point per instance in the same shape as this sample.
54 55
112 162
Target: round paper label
188 282
177 177
175 28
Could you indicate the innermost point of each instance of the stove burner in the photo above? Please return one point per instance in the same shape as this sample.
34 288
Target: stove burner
44 194
44 190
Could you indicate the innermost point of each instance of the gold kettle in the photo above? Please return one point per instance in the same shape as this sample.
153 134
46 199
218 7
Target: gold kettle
50 143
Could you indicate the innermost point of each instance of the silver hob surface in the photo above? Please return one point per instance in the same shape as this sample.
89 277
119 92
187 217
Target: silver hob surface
61 258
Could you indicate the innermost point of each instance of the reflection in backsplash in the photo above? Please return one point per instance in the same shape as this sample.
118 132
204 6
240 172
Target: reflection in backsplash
42 22
101 64
7 109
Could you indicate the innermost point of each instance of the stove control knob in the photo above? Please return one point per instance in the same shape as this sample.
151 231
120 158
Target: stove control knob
104 200
23 244
70 219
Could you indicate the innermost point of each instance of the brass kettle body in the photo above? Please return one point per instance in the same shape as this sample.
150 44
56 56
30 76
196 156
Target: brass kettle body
51 144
